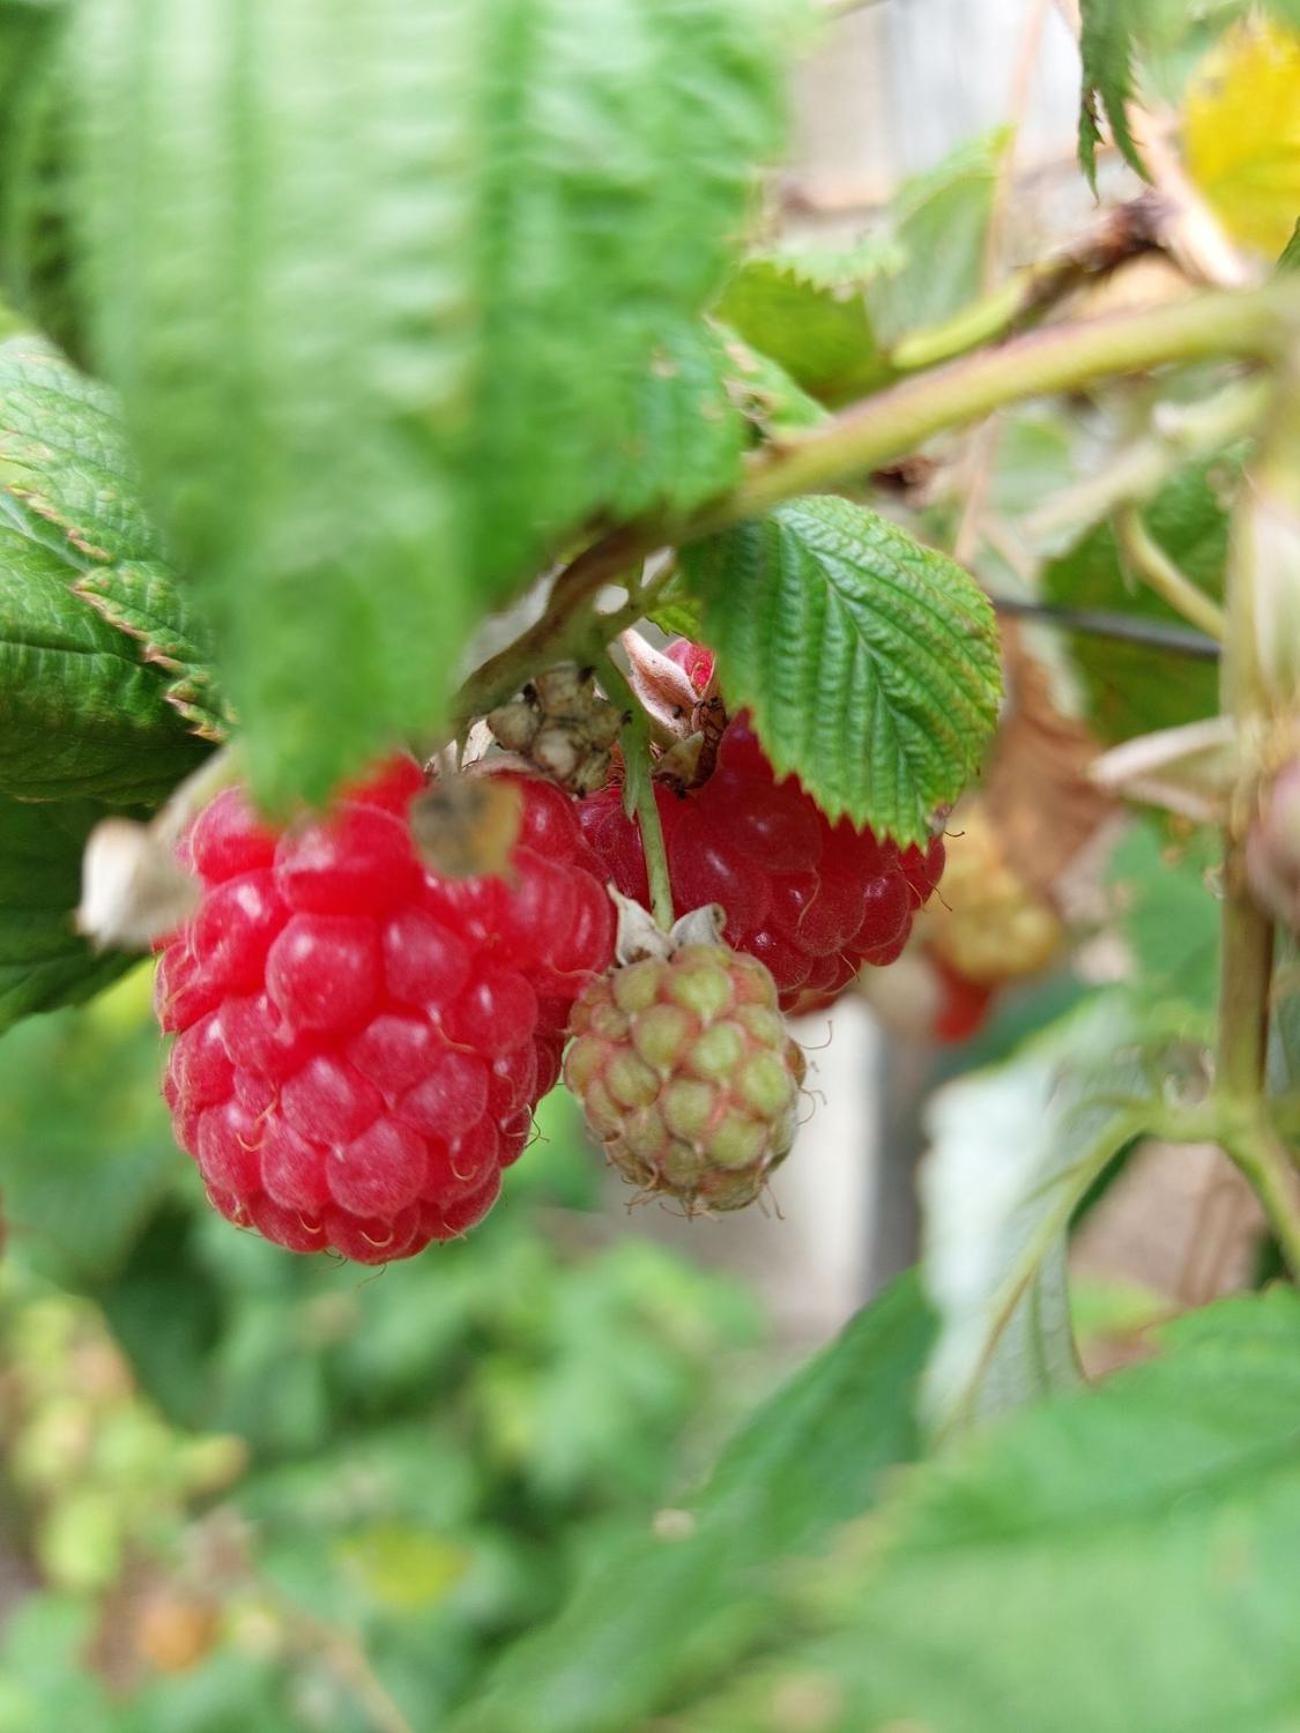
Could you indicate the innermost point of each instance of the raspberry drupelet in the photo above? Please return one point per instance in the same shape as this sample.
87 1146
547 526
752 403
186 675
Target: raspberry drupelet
359 1042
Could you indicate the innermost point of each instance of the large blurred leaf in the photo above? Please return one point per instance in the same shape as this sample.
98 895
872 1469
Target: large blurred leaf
1113 1559
659 1613
1013 1150
869 661
684 439
381 286
940 226
1131 689
103 683
34 255
83 1163
43 963
1162 890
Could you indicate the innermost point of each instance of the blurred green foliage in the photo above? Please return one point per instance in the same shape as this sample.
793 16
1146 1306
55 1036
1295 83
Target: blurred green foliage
245 1490
1130 688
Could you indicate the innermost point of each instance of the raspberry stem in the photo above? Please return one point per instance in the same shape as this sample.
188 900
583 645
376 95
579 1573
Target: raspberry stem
1246 1130
639 795
1251 324
1261 1156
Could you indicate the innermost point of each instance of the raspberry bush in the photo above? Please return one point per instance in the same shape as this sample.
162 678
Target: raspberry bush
360 1043
396 378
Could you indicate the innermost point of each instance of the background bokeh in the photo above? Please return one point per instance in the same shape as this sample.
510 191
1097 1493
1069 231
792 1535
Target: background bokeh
238 1488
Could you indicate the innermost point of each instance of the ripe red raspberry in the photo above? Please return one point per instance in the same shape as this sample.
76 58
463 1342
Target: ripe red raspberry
359 1042
812 900
964 1005
687 1075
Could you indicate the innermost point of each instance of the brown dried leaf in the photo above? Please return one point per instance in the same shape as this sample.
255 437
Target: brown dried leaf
1036 787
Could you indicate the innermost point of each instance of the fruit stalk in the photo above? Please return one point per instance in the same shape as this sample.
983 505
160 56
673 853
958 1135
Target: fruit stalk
639 793
1245 1130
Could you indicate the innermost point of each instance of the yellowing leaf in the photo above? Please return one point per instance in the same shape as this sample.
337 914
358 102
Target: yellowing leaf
1241 124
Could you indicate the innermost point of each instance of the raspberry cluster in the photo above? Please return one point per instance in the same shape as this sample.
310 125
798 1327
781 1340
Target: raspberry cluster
360 1042
686 1074
814 901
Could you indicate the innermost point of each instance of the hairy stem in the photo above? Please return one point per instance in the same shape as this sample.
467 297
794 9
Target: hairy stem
565 628
1027 295
1246 974
1254 324
1149 561
889 425
1247 965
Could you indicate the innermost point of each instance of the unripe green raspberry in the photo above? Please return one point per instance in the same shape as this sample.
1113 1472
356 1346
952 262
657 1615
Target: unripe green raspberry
686 1073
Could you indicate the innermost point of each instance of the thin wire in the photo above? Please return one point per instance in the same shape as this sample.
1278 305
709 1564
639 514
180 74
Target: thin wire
1098 623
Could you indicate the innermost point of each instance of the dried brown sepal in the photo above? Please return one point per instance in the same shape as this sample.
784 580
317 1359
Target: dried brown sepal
465 826
562 726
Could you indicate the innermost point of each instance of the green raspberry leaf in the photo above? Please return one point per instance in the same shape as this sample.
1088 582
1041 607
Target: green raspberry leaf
816 1453
1132 689
870 662
832 319
1013 1149
1113 1558
43 962
940 223
103 680
768 397
1106 44
684 440
676 612
387 307
811 317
